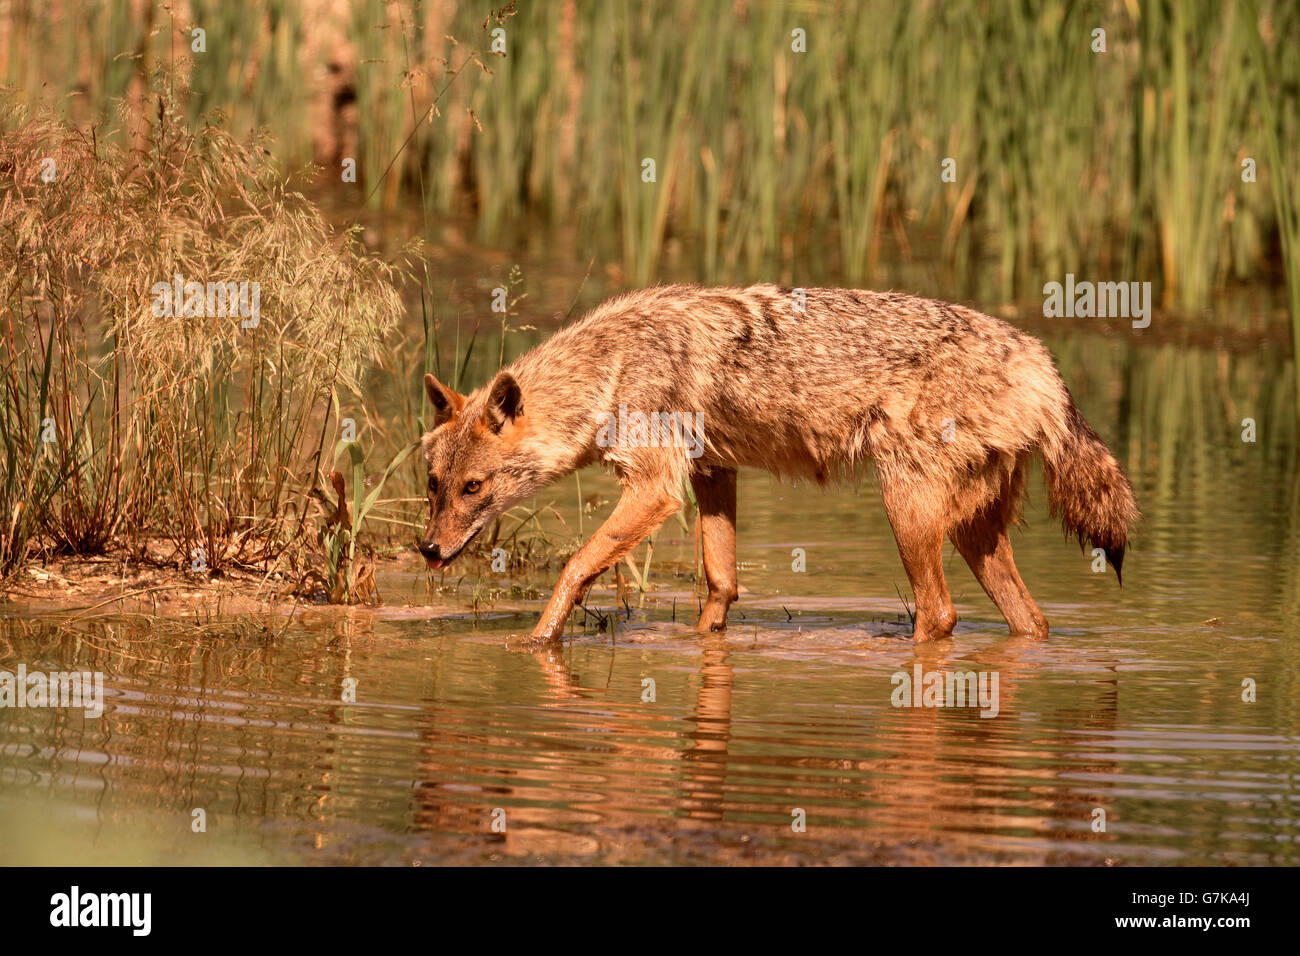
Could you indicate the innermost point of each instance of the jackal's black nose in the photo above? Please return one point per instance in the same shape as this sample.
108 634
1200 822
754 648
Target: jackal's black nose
430 550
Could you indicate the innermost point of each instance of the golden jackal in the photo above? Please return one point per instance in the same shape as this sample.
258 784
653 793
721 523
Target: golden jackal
949 404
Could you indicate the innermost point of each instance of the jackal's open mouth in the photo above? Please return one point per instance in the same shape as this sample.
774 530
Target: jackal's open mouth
435 564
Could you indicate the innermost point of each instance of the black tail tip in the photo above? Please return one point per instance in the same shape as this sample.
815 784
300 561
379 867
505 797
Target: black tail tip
1116 558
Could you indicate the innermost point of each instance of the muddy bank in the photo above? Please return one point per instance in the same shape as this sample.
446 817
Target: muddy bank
87 585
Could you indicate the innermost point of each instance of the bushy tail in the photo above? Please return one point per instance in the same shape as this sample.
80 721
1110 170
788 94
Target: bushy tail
1087 488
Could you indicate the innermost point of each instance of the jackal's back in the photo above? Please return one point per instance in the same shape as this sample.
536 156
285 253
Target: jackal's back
812 384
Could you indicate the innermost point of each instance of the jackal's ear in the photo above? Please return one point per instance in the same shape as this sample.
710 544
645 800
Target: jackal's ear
446 403
505 401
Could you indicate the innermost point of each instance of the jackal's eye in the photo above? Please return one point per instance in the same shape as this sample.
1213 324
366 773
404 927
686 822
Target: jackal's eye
472 487
433 485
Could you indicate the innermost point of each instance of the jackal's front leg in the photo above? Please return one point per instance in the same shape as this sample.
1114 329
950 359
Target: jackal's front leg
638 513
715 493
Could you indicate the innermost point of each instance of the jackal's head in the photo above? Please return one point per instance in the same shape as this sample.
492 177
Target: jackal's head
476 465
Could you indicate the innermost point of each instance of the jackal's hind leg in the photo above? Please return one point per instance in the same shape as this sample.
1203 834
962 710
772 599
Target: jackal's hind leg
918 522
983 542
638 513
715 493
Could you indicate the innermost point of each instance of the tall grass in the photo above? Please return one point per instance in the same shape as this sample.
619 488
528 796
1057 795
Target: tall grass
198 431
31 475
1280 103
771 161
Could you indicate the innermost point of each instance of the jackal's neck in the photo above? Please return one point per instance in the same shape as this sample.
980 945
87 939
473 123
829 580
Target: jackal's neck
565 391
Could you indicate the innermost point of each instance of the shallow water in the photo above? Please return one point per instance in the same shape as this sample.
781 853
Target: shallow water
1134 706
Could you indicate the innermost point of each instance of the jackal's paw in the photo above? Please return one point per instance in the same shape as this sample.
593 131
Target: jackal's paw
712 621
525 644
531 642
